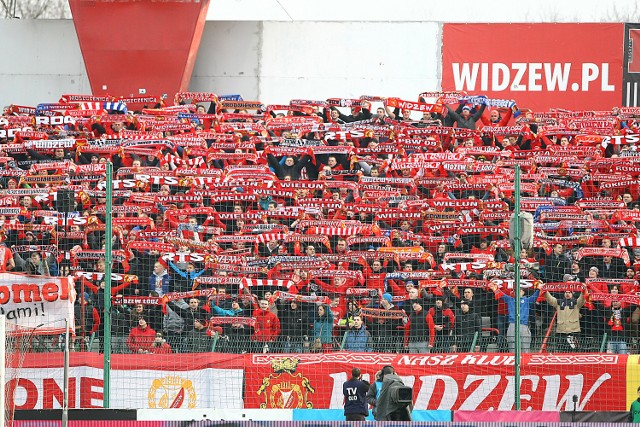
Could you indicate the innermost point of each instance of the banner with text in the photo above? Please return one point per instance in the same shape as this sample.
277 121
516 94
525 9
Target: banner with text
539 65
471 381
444 381
36 304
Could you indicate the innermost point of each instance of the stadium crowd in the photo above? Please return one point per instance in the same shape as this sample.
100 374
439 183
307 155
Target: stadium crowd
370 224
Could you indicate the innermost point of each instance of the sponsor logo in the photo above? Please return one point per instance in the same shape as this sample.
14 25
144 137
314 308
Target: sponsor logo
172 392
529 76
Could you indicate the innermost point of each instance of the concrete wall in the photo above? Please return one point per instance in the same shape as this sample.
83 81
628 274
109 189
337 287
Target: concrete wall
40 61
277 61
268 61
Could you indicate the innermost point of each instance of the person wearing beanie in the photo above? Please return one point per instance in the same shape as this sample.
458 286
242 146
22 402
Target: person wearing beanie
387 297
420 332
465 119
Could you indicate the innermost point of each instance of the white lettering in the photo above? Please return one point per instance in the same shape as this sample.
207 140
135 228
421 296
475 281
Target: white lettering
535 75
508 397
465 78
521 68
478 388
484 77
336 394
524 76
590 72
477 396
54 120
576 384
500 77
558 76
632 138
449 394
606 87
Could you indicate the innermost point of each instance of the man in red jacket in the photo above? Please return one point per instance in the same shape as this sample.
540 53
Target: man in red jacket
141 337
267 328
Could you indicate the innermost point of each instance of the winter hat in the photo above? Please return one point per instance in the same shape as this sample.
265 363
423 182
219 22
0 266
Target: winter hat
388 297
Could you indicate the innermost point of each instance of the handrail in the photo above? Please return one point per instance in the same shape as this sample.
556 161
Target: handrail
603 344
543 347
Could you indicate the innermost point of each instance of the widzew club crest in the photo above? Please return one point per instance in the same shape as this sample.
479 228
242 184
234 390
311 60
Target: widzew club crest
284 389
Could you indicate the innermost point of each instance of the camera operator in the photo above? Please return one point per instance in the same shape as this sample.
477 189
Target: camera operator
355 391
395 400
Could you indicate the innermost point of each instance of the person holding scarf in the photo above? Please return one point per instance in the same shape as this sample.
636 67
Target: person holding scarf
568 319
526 306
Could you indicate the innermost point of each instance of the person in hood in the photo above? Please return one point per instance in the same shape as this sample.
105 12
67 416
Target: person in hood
392 404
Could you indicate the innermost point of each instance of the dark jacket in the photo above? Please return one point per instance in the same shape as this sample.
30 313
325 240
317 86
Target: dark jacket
190 316
294 323
355 392
555 267
470 121
467 324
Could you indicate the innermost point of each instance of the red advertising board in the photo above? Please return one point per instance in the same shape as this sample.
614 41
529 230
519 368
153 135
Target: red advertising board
444 381
540 66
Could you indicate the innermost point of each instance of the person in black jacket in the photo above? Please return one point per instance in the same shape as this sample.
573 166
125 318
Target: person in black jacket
467 324
357 114
466 120
355 392
291 167
294 324
195 318
556 265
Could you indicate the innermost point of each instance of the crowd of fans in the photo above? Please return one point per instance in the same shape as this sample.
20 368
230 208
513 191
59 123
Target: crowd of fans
370 224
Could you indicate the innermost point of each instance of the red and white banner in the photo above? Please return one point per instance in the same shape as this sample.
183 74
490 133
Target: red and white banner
468 381
137 381
482 381
539 65
36 304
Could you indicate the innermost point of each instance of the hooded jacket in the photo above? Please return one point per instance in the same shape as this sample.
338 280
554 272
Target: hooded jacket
386 403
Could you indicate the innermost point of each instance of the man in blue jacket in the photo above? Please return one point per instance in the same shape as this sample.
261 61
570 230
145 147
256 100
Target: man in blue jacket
526 306
358 338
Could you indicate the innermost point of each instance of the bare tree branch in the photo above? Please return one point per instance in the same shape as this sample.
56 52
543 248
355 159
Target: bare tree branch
36 9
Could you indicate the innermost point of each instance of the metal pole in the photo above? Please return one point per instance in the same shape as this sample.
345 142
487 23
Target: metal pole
516 296
65 398
3 367
108 246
